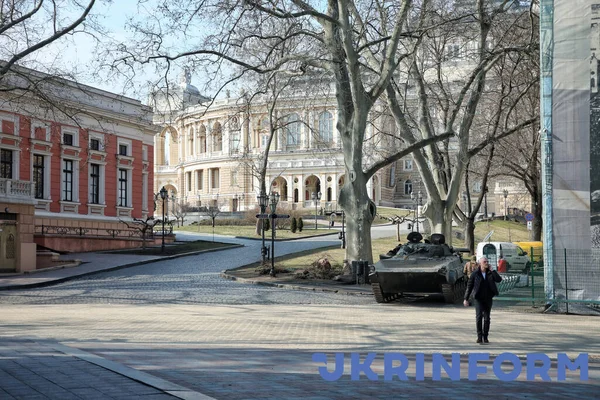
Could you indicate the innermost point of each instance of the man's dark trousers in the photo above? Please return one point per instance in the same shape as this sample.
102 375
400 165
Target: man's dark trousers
483 309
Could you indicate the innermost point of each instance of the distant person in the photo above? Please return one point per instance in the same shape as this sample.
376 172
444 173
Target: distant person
470 266
482 283
502 265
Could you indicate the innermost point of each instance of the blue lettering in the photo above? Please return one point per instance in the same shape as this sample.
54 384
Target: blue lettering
420 367
580 362
357 367
390 370
533 370
339 366
507 376
440 362
474 369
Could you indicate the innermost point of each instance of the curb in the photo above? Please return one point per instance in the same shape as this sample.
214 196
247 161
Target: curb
117 267
230 277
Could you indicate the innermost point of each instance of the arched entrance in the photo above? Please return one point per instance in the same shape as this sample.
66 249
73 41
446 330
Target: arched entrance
312 184
280 186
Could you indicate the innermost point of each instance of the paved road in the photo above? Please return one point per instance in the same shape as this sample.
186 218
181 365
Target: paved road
177 320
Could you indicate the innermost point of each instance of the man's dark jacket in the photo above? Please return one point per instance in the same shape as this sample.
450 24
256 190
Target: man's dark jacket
483 290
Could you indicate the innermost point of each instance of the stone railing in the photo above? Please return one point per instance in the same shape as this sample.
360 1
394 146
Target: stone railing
14 189
165 168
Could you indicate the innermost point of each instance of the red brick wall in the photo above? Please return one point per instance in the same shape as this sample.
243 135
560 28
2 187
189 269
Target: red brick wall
8 127
150 180
110 178
136 177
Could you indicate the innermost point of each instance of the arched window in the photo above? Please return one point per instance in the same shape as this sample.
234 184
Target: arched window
326 127
292 129
408 187
202 139
190 149
217 137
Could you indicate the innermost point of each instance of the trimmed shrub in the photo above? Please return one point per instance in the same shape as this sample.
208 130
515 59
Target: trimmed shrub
300 224
294 225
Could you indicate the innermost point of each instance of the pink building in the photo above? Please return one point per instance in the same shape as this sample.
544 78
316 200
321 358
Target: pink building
72 167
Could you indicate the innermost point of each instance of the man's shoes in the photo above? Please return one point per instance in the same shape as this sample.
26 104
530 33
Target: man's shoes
486 341
479 340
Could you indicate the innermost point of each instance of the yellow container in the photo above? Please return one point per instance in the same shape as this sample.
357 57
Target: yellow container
536 247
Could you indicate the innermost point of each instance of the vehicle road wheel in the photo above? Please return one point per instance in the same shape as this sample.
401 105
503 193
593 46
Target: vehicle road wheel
455 292
382 297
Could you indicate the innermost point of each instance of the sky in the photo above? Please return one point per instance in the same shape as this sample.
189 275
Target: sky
78 52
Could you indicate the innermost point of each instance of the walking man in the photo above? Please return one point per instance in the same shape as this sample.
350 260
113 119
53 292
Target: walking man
482 283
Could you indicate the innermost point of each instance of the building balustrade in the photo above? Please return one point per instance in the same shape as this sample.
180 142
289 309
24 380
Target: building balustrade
17 190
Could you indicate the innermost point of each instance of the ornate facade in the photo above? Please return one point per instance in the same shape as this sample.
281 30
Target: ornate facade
207 154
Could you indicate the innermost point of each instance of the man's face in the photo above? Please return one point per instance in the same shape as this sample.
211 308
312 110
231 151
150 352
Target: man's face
484 265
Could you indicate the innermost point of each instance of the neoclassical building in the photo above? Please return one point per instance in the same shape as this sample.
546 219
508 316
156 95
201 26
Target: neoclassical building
206 153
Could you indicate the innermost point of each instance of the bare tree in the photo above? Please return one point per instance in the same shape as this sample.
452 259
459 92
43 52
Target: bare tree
212 212
27 27
180 210
143 226
472 65
358 45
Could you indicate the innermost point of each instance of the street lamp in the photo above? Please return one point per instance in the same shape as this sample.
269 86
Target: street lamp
418 200
163 196
505 193
262 202
316 198
342 234
274 201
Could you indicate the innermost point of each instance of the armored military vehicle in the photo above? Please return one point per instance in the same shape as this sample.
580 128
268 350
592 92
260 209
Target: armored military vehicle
417 267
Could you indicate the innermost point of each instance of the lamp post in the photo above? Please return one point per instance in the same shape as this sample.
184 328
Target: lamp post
316 198
418 199
342 234
274 201
262 202
505 193
163 196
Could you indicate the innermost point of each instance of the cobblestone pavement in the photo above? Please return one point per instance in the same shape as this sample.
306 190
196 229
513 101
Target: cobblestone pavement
177 320
258 351
185 280
32 370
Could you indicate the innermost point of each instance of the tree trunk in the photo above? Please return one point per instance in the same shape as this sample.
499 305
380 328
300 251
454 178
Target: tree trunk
470 234
537 210
440 221
360 213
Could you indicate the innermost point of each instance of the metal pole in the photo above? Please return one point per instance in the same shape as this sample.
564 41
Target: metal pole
272 245
263 250
417 214
162 247
546 61
316 211
343 232
566 282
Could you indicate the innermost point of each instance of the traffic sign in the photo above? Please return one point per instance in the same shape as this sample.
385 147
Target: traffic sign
529 217
282 216
529 225
262 216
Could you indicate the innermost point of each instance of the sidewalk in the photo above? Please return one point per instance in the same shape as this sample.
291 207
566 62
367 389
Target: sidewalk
47 370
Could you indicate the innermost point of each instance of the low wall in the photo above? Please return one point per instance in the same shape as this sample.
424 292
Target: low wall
79 244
